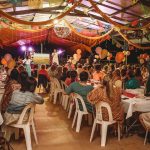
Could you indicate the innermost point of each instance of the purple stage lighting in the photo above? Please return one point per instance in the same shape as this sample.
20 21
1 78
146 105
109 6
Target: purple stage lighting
60 51
30 49
23 48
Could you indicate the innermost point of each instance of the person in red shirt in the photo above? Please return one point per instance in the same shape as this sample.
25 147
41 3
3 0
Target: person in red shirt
43 71
43 78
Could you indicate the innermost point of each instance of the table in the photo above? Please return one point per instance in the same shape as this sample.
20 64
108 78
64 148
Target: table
136 104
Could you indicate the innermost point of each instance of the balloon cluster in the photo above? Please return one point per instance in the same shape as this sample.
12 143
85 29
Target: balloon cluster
102 53
77 56
122 56
8 61
143 57
127 53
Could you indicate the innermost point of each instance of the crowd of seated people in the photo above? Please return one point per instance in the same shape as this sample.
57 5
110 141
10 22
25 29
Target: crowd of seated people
113 79
19 91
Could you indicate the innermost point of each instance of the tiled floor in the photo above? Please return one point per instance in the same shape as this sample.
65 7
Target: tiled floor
55 133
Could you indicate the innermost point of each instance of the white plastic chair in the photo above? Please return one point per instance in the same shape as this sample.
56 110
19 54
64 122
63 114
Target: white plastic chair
104 124
26 125
78 113
71 103
65 98
57 90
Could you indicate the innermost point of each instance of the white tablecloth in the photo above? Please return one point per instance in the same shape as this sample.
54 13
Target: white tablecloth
136 104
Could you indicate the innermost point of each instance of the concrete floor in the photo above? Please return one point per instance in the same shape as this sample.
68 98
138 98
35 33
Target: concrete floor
55 133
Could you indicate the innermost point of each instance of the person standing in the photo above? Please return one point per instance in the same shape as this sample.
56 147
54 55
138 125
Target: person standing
27 61
55 57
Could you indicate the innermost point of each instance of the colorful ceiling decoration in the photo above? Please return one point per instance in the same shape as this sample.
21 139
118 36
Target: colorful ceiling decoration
85 22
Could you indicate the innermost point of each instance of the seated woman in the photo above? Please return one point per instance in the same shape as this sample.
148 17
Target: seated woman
132 82
116 79
20 99
102 93
72 77
12 84
82 89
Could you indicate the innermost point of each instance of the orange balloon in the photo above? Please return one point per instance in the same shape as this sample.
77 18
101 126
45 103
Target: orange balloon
3 62
119 57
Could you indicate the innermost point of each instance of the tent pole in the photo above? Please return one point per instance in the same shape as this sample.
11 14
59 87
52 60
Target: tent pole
41 48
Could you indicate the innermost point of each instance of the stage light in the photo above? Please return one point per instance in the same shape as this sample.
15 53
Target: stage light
30 49
23 48
60 51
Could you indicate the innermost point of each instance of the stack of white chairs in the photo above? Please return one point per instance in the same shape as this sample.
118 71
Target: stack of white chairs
104 124
79 113
25 125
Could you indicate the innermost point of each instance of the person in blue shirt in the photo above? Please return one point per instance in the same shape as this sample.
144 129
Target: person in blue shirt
132 82
82 89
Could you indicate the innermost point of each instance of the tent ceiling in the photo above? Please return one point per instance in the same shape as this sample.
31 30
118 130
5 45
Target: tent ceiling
84 16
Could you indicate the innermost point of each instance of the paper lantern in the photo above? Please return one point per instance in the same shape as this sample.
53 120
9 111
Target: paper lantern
75 56
104 53
141 61
3 61
79 51
7 57
98 50
11 64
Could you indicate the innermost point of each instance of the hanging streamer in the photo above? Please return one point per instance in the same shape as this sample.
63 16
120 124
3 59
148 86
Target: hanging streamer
9 17
113 22
131 43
